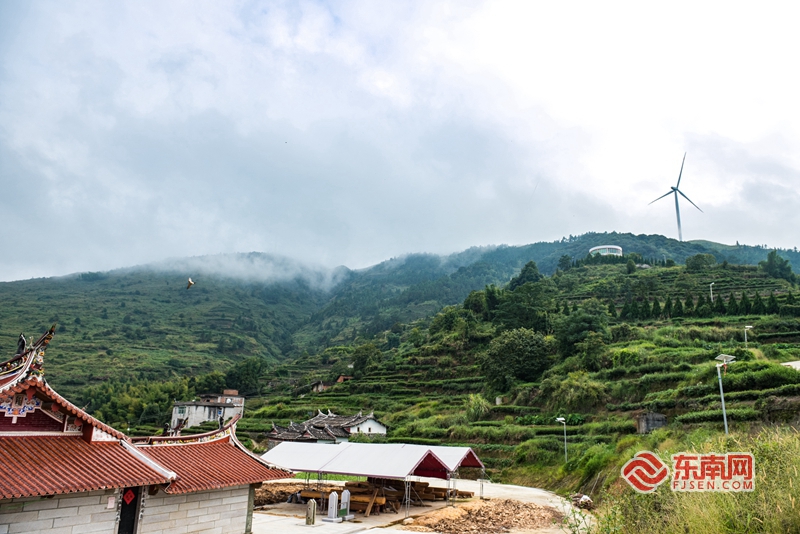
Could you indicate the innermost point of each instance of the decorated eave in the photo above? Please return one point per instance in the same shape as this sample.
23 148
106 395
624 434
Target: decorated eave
24 392
208 461
49 446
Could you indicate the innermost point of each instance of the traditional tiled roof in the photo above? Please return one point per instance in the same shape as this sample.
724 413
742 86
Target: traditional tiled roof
51 465
42 387
50 446
322 427
209 461
305 432
341 421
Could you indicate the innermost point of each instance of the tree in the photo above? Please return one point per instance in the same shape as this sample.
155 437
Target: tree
612 309
700 262
677 309
245 376
745 307
772 304
565 262
363 356
656 313
758 305
667 312
476 303
527 307
733 306
777 267
519 354
529 273
719 306
570 331
630 267
213 382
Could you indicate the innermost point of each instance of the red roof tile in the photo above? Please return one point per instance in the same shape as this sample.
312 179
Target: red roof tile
49 465
210 465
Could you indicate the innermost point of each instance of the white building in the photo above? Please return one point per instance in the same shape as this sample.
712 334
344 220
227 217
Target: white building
606 250
210 407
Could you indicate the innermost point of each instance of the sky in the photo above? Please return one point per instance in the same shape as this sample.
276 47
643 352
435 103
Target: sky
347 133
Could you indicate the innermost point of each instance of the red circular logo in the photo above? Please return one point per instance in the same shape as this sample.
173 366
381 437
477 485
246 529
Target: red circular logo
645 472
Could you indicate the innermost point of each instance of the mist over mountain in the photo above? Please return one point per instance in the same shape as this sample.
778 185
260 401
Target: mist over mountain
254 267
143 321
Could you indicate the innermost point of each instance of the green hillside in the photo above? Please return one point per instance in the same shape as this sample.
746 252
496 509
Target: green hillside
142 323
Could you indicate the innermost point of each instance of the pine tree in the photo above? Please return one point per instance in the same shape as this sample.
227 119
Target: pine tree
733 306
745 307
789 298
667 313
677 309
719 306
772 304
635 313
625 312
644 310
656 313
566 308
758 305
612 309
688 305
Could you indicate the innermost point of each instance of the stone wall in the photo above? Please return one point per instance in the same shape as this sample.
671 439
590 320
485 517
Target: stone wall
210 512
74 513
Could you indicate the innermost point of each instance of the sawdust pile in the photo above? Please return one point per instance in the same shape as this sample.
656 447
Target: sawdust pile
491 516
277 493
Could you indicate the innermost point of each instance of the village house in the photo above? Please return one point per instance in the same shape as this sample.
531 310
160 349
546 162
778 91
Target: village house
327 428
209 407
63 471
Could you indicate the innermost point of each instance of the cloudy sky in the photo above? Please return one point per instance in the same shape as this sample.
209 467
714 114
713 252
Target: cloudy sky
351 132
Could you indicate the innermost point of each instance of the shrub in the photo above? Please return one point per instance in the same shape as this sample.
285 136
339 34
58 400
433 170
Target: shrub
736 414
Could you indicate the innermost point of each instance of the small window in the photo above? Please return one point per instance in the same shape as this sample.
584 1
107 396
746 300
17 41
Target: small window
181 410
369 430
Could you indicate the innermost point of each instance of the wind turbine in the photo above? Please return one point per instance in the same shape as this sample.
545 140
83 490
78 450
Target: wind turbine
676 192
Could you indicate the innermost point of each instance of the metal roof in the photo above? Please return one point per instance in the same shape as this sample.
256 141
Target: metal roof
380 460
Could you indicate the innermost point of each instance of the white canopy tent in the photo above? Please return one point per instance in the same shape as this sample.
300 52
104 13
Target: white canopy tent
379 460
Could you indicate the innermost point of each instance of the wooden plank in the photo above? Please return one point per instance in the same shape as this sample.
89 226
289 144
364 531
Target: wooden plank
371 502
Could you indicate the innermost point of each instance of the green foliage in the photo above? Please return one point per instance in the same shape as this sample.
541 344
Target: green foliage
575 392
476 407
700 262
519 354
529 273
777 267
575 328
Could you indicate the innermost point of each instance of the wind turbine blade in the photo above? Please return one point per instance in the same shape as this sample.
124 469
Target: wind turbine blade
681 173
690 201
662 196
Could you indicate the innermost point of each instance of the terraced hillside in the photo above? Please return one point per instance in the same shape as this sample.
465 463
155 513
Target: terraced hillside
435 381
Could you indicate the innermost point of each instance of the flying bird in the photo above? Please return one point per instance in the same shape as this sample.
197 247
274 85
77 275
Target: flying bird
190 284
676 192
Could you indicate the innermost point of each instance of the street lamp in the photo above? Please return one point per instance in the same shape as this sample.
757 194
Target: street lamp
564 422
746 328
725 359
711 289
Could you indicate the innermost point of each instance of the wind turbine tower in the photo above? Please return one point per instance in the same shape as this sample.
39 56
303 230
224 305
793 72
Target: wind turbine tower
675 191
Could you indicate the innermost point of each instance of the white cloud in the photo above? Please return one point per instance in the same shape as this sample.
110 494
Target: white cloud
351 132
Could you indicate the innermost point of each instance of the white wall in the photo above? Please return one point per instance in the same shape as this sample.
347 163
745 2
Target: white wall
74 513
370 426
211 512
